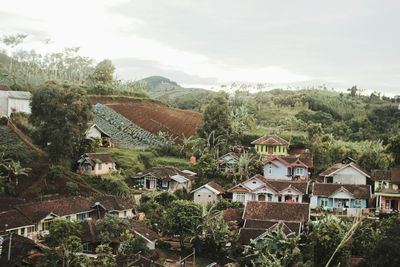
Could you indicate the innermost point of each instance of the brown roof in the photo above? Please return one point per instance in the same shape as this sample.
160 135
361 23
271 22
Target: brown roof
276 211
232 215
99 157
380 175
36 211
163 173
143 230
395 174
246 234
341 165
216 186
280 185
116 203
293 226
24 251
4 87
326 190
13 218
272 140
7 203
238 189
254 229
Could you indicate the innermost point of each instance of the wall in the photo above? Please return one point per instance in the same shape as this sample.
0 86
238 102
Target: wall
19 105
93 133
204 196
279 172
105 169
3 103
276 150
349 175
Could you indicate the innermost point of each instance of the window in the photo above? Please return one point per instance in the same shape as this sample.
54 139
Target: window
209 195
125 213
68 218
199 195
254 182
82 216
269 170
357 203
30 229
46 224
254 197
22 231
324 202
164 183
99 166
240 197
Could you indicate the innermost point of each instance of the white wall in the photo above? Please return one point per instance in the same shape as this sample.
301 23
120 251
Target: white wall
253 184
93 133
349 175
3 103
19 105
313 202
204 196
279 172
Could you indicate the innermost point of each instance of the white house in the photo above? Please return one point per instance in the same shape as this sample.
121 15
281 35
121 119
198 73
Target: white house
208 193
345 173
259 188
289 167
14 101
96 133
96 164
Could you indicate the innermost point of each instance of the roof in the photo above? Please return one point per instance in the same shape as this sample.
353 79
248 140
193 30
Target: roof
275 184
380 175
36 211
292 160
232 214
19 95
116 203
98 157
272 140
395 174
327 190
276 211
24 251
229 158
13 219
143 230
8 203
179 178
212 186
99 129
164 173
339 166
256 229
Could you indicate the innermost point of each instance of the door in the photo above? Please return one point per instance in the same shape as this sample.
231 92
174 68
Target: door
261 197
270 151
395 204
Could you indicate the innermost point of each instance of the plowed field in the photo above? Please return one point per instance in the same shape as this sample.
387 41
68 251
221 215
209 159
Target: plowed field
153 116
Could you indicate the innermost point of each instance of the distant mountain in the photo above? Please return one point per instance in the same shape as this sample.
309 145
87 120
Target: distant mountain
164 89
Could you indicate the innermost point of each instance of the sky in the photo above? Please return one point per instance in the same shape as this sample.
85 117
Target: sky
213 42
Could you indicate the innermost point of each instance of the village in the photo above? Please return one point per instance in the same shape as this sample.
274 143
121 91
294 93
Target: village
284 192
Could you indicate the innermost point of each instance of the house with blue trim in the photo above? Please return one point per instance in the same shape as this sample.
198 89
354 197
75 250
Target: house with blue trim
350 199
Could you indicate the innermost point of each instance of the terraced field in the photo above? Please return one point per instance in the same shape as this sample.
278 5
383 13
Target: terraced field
154 116
123 132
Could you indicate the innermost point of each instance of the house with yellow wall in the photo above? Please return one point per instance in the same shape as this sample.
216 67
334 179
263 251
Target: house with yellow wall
271 145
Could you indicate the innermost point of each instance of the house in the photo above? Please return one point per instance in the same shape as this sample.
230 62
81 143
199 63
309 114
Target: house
262 217
208 193
23 252
96 164
345 172
91 240
288 167
96 133
14 101
33 219
228 163
259 188
349 198
387 189
165 178
271 145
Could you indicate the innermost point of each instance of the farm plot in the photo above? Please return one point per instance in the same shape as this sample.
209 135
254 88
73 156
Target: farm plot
123 131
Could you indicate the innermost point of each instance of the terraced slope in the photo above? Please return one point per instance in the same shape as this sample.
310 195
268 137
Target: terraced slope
154 116
123 132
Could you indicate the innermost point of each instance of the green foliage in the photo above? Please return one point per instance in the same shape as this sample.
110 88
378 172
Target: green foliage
60 116
394 148
105 257
112 229
103 72
130 248
182 218
276 249
12 147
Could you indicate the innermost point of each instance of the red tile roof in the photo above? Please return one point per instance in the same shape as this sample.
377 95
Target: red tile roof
13 219
341 165
272 140
216 186
232 215
276 211
116 203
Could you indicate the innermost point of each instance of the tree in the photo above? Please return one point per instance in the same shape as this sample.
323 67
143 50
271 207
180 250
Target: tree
130 248
60 116
182 219
112 228
103 72
216 119
276 249
105 257
64 245
353 91
10 170
394 148
386 252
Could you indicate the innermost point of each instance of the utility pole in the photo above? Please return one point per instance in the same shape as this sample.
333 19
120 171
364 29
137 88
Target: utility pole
9 244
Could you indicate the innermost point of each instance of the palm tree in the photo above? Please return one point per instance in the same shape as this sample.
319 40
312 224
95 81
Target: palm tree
13 169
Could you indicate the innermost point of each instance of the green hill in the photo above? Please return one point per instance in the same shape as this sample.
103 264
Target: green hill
166 90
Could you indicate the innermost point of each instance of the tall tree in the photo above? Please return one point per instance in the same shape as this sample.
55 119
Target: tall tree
60 116
216 119
103 72
394 148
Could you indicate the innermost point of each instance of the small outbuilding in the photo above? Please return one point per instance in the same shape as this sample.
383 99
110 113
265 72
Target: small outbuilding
208 193
96 164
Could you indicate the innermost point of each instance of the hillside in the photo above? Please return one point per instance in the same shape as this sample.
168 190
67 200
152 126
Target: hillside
153 116
164 89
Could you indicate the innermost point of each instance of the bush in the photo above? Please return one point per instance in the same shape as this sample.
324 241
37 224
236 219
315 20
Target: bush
72 188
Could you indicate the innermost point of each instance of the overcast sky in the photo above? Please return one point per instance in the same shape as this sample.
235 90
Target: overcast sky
214 42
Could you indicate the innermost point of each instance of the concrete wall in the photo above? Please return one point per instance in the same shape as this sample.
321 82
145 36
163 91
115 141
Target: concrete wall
349 175
93 133
18 105
279 172
204 196
3 103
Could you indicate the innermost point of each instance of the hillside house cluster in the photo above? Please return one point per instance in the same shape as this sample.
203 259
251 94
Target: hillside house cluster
33 219
387 189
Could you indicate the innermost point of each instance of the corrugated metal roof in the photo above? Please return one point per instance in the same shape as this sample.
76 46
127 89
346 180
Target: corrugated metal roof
179 178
